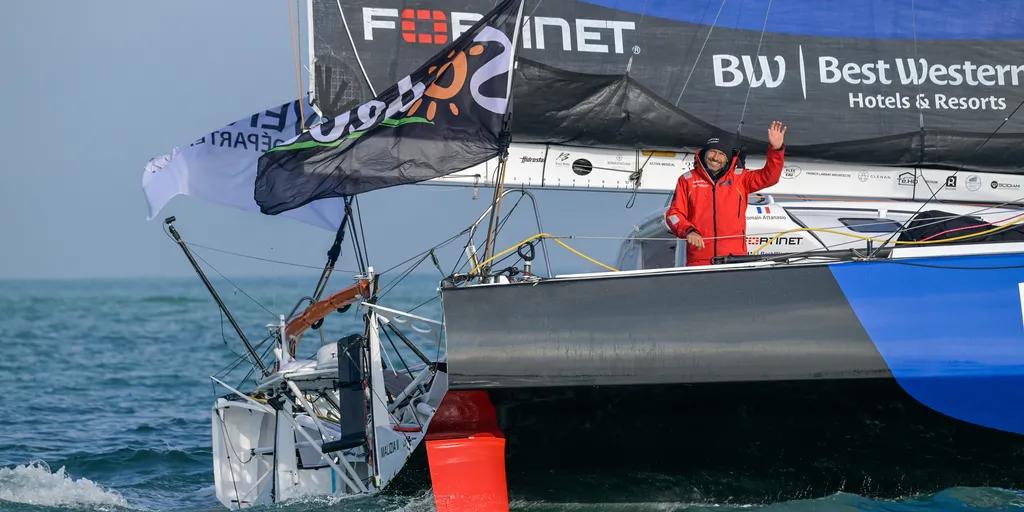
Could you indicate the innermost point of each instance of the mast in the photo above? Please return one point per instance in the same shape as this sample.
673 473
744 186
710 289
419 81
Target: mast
499 187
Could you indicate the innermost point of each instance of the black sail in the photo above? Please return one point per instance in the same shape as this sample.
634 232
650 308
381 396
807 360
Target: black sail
874 81
446 115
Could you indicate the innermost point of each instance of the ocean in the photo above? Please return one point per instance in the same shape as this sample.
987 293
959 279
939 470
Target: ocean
106 401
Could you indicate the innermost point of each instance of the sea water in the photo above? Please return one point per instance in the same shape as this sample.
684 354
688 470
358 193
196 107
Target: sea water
105 400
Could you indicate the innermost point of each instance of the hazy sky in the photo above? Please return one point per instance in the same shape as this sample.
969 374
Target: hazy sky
92 90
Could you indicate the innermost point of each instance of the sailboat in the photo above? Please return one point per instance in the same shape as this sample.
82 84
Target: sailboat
878 313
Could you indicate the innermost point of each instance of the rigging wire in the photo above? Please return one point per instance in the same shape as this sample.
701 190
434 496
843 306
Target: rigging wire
960 168
355 52
917 100
259 258
294 31
356 244
232 283
437 246
639 28
362 234
701 52
424 303
750 83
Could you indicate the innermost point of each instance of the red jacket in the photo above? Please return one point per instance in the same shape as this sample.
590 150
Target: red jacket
718 210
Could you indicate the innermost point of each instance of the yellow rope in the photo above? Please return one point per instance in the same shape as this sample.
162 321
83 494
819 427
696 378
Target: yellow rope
759 248
895 242
584 256
537 237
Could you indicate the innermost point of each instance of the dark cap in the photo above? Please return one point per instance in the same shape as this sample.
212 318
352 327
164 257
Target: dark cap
724 144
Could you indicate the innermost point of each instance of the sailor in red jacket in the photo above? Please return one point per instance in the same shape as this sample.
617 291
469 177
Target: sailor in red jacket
709 207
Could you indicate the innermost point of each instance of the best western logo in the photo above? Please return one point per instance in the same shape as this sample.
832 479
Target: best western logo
435 27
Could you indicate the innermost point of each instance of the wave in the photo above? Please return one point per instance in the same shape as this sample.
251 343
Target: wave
140 462
36 484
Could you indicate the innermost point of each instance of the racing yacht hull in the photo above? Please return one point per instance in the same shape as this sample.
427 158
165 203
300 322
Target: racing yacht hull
881 377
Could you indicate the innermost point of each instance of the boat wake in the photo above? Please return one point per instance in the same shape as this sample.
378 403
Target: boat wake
422 502
36 484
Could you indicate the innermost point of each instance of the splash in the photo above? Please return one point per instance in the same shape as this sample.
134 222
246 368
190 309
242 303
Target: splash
36 484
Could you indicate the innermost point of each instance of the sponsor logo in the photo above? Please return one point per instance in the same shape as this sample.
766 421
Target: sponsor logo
770 71
863 176
830 174
782 240
529 159
790 172
562 157
417 103
435 27
424 26
906 179
389 449
973 183
951 181
582 167
1004 186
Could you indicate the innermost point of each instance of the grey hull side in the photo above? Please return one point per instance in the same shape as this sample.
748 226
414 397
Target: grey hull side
670 327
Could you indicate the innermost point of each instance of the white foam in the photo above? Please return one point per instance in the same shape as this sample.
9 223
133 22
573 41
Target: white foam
35 484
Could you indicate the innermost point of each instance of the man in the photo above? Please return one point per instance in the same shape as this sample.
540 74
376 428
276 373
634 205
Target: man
710 202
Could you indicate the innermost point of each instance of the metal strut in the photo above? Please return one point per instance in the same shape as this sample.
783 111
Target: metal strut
504 139
169 221
334 252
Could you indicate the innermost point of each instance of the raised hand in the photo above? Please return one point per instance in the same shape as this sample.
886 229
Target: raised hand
776 134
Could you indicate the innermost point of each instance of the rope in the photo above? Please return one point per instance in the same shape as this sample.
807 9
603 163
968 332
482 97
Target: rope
897 242
294 37
584 256
540 236
969 227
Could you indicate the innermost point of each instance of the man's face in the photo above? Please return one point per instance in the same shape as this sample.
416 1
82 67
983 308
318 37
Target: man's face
716 160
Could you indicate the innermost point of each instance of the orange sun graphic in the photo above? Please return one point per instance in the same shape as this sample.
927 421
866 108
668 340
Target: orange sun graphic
458 66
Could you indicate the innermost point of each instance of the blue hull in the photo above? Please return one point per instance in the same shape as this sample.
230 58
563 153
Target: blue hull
950 330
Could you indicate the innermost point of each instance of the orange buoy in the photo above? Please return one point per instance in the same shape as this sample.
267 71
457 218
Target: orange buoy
466 454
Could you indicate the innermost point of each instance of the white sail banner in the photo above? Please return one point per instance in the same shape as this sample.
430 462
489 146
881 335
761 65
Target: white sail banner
220 167
576 168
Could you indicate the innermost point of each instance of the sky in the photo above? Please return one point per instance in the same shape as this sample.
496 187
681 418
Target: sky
90 91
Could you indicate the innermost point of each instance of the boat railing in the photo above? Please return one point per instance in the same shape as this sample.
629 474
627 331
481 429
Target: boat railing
536 214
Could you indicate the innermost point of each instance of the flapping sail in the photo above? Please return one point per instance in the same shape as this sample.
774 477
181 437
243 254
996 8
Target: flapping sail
445 116
873 82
